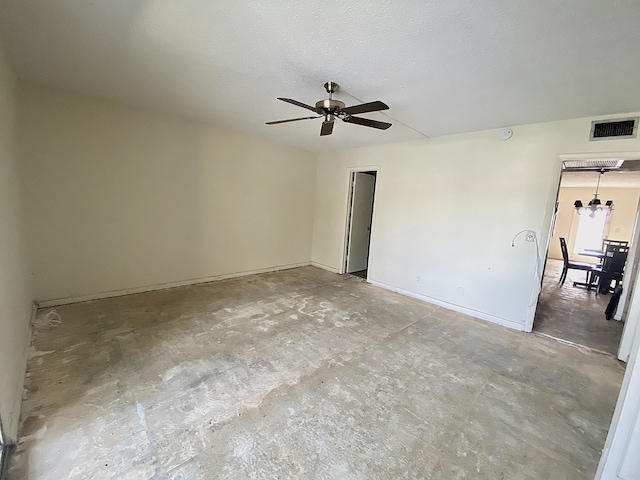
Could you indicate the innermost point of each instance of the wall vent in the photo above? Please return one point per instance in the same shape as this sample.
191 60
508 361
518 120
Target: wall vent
619 128
593 164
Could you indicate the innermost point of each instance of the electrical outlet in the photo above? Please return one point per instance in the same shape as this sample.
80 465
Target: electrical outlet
418 278
531 236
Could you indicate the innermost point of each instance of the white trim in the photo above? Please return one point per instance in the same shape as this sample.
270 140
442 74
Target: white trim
9 441
163 286
347 229
450 306
326 267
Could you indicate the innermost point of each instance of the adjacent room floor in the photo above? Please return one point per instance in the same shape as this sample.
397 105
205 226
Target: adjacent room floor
304 374
573 313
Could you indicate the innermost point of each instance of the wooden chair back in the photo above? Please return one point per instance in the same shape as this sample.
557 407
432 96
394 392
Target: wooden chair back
613 263
607 244
565 252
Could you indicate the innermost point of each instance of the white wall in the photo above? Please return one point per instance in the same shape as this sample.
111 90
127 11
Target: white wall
15 290
121 198
447 210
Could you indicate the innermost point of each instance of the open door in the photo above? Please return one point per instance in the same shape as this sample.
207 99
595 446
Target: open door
363 185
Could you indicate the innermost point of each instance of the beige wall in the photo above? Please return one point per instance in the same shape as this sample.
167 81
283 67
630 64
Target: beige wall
619 225
15 290
447 210
121 198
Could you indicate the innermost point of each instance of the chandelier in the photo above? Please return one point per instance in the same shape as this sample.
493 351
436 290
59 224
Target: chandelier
595 207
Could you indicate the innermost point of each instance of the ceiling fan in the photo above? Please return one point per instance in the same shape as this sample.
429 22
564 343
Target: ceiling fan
331 109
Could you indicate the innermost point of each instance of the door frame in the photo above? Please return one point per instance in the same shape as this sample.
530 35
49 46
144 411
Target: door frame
347 225
632 319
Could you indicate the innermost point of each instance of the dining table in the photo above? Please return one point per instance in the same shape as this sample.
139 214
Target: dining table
587 252
603 279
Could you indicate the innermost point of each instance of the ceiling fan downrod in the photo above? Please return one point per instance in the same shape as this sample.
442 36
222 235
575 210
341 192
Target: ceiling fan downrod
331 88
330 106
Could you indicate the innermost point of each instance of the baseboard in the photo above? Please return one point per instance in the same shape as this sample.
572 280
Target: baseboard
7 450
129 291
325 267
163 286
9 441
26 354
450 306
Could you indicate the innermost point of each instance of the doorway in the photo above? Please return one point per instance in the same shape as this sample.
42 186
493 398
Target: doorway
572 311
361 200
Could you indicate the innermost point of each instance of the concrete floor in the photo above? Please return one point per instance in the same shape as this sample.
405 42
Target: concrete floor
575 314
304 374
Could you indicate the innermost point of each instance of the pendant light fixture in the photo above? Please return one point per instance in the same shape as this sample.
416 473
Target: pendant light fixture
595 206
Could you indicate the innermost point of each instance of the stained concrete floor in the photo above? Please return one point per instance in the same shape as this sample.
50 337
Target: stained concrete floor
304 374
573 313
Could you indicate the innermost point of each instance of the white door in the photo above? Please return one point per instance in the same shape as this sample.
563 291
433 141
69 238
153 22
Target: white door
360 224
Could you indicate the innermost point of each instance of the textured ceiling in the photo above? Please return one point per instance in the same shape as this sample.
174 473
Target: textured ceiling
443 66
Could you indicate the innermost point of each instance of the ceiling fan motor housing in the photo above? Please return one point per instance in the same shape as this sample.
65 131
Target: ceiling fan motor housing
329 106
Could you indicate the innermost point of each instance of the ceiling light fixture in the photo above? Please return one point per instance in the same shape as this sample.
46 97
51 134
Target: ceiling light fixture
595 206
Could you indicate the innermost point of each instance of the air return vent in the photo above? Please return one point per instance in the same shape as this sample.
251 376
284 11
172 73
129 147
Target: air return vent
593 164
619 128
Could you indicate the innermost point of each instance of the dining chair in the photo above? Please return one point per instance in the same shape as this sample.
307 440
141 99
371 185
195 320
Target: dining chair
618 243
612 270
609 247
568 265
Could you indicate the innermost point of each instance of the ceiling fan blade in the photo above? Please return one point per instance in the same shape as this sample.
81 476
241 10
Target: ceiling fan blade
366 107
297 103
367 122
291 120
327 128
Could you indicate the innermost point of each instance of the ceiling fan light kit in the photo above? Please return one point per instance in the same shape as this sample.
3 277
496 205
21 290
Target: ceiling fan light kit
331 109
